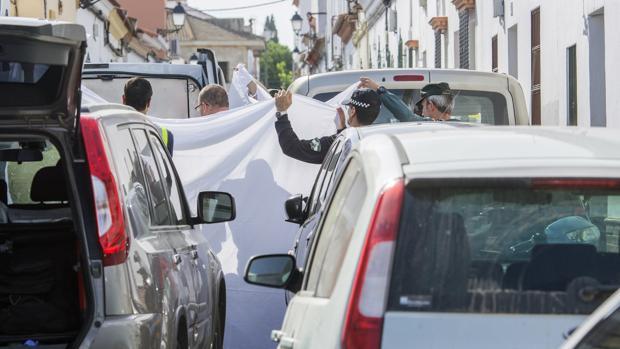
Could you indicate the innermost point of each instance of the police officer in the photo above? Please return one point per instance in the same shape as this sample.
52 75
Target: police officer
137 94
362 109
435 104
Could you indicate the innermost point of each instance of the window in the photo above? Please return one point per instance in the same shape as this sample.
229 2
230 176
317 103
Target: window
464 39
336 231
437 49
224 67
160 212
130 178
494 58
536 102
315 196
571 72
505 246
170 180
19 176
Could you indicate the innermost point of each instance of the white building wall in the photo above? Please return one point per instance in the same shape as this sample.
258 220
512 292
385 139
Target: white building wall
563 24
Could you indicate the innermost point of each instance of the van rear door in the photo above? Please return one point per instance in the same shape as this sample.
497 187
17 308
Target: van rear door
40 68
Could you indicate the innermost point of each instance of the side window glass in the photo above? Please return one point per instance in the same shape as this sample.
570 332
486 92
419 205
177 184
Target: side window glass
160 212
131 180
336 231
169 180
329 176
318 184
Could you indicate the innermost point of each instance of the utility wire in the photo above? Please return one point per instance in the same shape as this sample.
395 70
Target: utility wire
241 7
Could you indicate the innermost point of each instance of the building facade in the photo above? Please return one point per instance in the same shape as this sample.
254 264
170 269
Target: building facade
561 51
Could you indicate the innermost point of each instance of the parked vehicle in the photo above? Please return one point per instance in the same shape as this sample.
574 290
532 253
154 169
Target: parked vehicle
175 86
308 210
499 234
481 97
600 330
97 244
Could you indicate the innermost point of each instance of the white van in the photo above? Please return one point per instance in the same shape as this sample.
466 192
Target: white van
482 97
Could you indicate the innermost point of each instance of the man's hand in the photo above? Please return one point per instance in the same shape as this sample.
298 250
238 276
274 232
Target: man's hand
342 122
284 99
368 83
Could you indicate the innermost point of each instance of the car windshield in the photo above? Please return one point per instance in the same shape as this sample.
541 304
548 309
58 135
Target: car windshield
481 107
517 247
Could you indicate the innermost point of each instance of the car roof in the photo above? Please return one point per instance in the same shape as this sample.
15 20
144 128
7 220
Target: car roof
193 71
442 150
336 81
32 26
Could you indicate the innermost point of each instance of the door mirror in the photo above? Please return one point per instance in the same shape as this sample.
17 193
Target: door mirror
276 271
215 207
294 208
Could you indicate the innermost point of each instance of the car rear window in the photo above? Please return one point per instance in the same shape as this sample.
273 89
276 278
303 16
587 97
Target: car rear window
507 247
173 98
19 164
480 107
29 83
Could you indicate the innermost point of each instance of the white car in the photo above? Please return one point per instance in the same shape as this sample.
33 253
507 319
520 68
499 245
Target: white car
481 97
446 237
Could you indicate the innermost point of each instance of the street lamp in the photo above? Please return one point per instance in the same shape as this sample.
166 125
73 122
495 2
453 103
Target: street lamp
193 59
178 20
178 16
296 54
297 21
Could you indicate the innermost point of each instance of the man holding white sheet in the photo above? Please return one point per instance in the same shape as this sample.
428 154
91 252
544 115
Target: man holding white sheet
362 109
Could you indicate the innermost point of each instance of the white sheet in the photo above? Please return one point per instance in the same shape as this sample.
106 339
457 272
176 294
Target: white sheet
238 152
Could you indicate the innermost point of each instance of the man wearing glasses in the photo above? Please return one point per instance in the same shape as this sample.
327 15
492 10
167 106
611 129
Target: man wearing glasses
212 99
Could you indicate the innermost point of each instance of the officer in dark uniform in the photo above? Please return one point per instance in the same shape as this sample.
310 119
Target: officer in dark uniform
363 108
435 104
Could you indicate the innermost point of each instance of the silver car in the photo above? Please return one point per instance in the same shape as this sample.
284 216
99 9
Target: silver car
97 244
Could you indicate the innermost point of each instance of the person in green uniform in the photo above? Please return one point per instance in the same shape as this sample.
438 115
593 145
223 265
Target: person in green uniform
435 104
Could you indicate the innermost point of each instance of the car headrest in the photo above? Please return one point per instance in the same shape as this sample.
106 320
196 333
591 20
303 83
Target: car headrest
49 185
4 192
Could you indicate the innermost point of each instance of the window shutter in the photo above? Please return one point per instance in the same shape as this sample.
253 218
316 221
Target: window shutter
464 39
437 49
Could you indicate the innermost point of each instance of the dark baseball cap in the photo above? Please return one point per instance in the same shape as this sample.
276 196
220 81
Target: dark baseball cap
364 98
439 89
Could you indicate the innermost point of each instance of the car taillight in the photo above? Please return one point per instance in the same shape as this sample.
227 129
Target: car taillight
594 183
110 221
409 77
364 317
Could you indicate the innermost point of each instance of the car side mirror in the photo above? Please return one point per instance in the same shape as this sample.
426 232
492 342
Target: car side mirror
276 270
215 207
294 207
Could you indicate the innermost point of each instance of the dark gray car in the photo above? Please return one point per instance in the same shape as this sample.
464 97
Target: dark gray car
97 243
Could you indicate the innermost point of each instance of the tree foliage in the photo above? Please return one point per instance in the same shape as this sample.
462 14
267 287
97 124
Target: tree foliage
276 65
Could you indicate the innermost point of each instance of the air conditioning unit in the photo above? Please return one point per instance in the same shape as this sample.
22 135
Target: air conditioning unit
498 8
